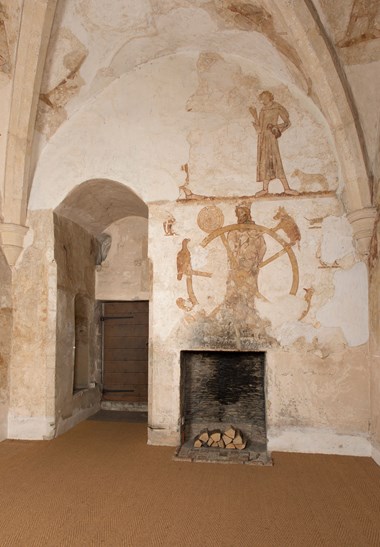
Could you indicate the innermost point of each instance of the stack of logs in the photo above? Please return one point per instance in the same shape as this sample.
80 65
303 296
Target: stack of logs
232 438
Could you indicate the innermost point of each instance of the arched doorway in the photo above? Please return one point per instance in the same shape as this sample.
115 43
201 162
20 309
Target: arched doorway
99 229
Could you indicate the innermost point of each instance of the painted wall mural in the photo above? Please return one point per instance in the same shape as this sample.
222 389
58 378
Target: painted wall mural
246 248
168 226
246 255
269 130
249 259
223 147
250 17
364 23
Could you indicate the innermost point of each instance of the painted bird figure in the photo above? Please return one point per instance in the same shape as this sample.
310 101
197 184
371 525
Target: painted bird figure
184 260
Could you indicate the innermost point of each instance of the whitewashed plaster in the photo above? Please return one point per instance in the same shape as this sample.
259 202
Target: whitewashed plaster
192 108
336 240
167 125
348 309
36 428
124 275
309 440
376 454
132 34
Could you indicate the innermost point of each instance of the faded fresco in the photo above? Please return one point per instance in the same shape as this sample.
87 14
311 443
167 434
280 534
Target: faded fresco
247 138
355 29
205 111
269 130
253 17
246 254
364 23
62 82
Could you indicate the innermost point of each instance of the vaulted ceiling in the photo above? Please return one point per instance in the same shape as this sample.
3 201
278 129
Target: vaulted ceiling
328 51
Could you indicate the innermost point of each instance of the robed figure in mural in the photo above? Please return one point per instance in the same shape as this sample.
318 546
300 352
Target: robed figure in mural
269 129
246 250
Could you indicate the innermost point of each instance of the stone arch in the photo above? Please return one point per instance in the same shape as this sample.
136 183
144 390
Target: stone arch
79 224
332 93
97 203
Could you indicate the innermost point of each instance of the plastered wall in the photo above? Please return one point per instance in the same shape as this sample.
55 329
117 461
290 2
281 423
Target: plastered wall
124 275
315 336
75 252
233 267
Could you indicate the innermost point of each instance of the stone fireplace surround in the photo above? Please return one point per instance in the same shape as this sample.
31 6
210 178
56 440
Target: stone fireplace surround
219 389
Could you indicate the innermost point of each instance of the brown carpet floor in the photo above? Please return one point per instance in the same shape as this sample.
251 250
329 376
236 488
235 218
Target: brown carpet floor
100 484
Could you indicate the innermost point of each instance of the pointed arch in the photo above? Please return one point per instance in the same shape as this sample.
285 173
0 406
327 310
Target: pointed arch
331 91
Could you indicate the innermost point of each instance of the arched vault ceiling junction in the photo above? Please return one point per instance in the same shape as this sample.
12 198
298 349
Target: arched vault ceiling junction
95 45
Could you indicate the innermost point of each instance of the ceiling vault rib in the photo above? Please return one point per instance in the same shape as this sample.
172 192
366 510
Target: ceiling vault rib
347 90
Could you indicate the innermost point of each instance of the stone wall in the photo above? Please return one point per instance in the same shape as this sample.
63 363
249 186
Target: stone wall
249 168
32 371
5 342
75 252
375 342
224 281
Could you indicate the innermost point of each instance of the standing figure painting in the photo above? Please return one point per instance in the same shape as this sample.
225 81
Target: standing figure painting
269 130
246 249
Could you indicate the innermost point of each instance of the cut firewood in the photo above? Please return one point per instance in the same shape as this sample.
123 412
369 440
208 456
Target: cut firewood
230 432
204 436
226 439
238 439
216 436
232 439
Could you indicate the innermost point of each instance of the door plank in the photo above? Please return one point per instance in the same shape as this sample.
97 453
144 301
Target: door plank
125 351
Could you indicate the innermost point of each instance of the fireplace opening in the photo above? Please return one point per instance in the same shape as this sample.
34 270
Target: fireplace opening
220 389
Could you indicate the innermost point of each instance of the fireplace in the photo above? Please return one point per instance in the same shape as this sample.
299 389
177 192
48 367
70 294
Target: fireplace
220 389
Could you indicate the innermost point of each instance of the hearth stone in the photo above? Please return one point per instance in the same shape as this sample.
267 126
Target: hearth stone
188 453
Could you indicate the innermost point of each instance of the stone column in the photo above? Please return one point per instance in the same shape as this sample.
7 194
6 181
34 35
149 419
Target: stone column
12 241
362 222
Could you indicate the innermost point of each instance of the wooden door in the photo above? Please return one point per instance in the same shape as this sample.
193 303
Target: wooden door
125 352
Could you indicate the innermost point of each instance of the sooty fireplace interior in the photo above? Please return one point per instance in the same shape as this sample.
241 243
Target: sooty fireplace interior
220 389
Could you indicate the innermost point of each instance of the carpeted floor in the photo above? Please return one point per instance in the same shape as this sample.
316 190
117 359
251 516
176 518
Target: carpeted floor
100 484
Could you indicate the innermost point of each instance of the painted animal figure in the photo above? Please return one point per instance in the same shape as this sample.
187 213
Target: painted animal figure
168 226
184 260
308 296
183 189
307 180
287 225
